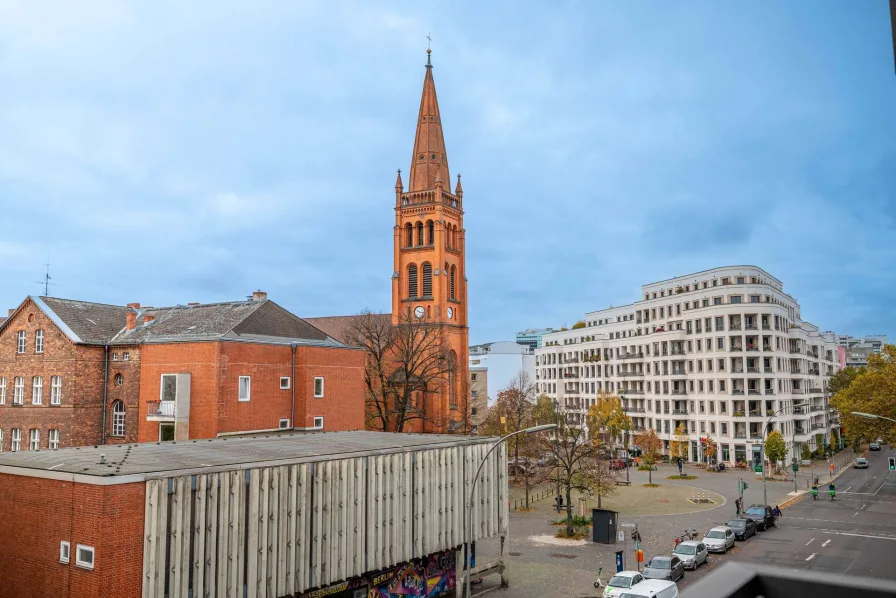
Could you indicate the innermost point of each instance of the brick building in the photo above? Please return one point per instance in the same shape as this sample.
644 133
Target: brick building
75 373
323 514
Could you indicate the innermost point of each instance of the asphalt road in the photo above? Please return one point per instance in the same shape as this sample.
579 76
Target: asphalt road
855 534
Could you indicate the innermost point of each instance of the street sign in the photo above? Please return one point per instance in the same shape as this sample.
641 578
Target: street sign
620 537
627 525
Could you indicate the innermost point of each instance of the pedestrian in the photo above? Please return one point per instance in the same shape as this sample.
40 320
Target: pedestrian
679 466
737 503
777 511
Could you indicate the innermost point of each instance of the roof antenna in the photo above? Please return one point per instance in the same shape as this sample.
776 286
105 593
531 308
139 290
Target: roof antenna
46 282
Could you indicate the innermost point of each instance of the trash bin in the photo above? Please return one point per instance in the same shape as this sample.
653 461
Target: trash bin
603 526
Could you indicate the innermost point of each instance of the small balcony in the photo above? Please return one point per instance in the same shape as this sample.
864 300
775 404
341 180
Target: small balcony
677 351
681 391
740 435
794 351
737 391
769 391
734 327
756 413
753 370
632 356
737 348
679 412
628 374
767 370
737 370
635 410
751 327
161 410
798 391
754 391
766 327
766 347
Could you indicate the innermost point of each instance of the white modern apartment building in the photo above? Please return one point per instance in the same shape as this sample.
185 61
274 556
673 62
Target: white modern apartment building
721 351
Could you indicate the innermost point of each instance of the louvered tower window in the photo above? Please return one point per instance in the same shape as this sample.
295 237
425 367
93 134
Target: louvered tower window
412 281
427 279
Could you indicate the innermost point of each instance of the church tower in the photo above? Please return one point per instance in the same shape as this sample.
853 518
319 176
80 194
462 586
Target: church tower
430 267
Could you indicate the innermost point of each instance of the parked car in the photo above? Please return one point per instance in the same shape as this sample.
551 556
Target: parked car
692 553
547 461
664 567
652 588
742 527
719 539
622 581
517 470
762 515
875 446
617 464
861 463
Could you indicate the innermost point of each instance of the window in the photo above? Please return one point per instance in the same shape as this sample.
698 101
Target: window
284 382
284 424
720 342
473 377
318 423
37 390
754 298
427 279
2 391
408 235
717 301
34 440
318 387
18 392
726 281
168 387
419 233
54 440
431 232
118 418
115 357
16 440
245 387
119 379
125 356
451 283
55 390
84 556
20 348
740 280
39 341
413 288
166 432
64 550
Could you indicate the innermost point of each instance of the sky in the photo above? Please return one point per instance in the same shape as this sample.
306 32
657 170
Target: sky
168 152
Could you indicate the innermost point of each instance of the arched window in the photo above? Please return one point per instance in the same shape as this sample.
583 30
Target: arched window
452 374
117 418
412 281
119 379
427 279
409 235
431 233
419 233
451 284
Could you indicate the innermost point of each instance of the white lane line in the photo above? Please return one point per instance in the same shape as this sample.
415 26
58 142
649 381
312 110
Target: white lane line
810 541
826 542
810 557
866 536
863 506
847 490
856 513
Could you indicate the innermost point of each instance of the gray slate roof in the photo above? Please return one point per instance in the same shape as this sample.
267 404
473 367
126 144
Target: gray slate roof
219 454
93 323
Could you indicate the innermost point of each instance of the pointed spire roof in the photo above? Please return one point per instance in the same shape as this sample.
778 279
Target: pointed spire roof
399 186
459 189
429 161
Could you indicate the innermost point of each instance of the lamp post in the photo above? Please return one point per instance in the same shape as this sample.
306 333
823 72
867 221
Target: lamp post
872 416
765 431
468 539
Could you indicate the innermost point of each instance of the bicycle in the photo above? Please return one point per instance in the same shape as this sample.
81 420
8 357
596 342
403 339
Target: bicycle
598 583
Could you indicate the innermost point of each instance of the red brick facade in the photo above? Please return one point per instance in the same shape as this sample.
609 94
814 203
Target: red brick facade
41 513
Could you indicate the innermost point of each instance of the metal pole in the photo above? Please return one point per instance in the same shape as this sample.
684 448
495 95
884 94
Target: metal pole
468 539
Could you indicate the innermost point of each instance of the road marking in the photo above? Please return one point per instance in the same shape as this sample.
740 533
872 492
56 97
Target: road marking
826 542
847 490
810 541
856 513
810 557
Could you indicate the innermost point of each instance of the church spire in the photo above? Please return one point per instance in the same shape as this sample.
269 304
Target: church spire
429 162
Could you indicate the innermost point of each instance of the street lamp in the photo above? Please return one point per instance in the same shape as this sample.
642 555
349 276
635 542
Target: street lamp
762 450
872 416
469 537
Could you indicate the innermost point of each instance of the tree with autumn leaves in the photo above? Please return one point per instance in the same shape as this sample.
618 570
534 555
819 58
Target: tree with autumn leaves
651 447
867 390
607 421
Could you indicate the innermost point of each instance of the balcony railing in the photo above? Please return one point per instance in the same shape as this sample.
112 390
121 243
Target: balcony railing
766 327
815 390
754 391
635 410
737 370
160 408
631 391
679 392
800 431
734 327
740 434
752 348
817 427
751 327
677 351
679 412
679 373
753 370
794 351
738 348
769 391
816 408
798 391
737 391
766 347
801 410
767 370
755 413
632 356
624 374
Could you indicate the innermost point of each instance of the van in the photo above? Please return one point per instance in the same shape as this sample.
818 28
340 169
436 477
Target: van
652 588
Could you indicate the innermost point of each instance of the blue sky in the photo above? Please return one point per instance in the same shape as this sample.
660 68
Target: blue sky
169 152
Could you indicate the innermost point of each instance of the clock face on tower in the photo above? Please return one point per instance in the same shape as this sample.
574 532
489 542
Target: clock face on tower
419 311
450 313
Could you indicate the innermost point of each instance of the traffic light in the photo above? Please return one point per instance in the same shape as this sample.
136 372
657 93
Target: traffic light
892 461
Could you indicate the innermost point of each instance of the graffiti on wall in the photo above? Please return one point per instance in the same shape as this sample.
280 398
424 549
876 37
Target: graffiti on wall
430 577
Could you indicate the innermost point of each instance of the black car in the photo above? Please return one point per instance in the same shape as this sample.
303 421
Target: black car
743 528
762 515
664 567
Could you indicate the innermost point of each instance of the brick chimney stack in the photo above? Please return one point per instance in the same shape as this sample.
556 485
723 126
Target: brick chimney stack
132 315
11 312
259 296
147 318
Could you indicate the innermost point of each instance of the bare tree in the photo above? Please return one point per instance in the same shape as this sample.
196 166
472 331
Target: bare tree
464 423
512 412
407 365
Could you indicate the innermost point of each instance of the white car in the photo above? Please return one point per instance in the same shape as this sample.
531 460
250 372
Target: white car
622 581
692 554
652 588
719 539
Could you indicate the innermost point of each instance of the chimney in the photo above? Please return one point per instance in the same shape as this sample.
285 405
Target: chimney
10 312
132 315
147 319
259 296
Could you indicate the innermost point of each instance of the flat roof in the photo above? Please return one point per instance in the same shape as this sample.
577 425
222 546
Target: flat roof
164 459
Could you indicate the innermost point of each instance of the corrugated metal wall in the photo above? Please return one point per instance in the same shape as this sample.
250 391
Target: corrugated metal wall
278 531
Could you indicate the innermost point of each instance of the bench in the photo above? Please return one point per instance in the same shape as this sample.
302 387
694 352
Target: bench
623 483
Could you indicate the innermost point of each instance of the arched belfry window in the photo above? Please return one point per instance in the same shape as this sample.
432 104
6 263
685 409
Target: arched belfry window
451 282
427 279
408 235
452 375
419 233
430 233
412 281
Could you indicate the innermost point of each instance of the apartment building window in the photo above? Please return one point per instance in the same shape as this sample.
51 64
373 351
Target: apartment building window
284 382
720 342
34 443
2 391
721 386
690 346
473 377
754 298
724 428
18 391
709 386
708 364
118 418
736 299
723 407
698 326
319 422
703 427
245 388
22 339
16 440
37 390
318 387
54 440
84 556
717 301
693 426
740 280
705 303
712 427
720 324
56 390
689 326
726 280
64 550
712 404
39 341
700 388
699 344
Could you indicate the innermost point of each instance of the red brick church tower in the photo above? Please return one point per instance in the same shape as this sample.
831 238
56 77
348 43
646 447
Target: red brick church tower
430 269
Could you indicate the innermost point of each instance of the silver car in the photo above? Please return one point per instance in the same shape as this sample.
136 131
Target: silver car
692 553
719 539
